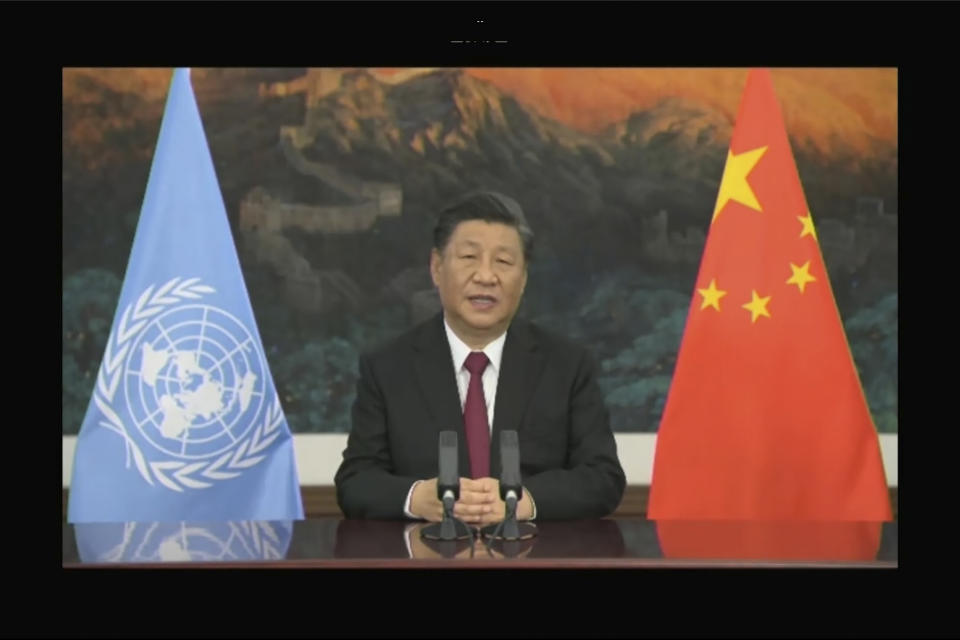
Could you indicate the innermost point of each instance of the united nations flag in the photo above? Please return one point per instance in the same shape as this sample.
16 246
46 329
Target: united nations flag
184 423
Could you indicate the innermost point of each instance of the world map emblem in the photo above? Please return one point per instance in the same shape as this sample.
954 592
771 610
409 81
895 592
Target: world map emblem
184 383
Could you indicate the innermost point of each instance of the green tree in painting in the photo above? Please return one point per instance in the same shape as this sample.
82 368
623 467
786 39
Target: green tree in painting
89 302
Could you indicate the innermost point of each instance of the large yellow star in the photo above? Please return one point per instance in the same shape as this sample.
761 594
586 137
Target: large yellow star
711 296
807 223
801 275
757 307
734 185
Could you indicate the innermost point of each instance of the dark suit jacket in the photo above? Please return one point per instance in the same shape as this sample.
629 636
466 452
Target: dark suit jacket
547 392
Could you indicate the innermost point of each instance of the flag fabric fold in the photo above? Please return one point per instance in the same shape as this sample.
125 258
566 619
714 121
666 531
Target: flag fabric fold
184 422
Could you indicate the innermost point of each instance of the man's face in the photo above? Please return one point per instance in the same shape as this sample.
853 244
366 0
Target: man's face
480 275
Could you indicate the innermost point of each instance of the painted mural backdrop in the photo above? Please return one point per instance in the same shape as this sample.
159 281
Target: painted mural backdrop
331 178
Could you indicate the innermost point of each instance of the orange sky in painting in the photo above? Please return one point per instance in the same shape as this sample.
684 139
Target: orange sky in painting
817 103
821 104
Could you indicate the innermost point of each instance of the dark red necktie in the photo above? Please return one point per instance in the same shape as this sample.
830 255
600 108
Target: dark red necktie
475 416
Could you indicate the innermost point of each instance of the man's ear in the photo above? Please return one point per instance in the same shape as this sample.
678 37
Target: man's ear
435 261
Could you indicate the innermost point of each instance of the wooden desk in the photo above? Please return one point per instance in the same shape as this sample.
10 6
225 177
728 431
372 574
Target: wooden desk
620 543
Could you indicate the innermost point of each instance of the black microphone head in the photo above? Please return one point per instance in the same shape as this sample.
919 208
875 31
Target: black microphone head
448 478
510 479
448 439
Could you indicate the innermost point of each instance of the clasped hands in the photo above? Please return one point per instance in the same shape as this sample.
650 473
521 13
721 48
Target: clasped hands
479 502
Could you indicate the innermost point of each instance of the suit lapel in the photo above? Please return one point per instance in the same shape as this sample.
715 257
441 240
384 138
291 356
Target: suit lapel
434 371
520 369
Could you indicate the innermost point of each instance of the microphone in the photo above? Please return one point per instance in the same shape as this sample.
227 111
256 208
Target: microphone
511 487
448 481
448 492
511 491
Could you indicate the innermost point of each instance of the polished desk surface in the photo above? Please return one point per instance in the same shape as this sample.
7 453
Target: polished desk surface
605 543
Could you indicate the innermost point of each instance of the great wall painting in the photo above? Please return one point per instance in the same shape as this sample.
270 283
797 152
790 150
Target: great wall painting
331 177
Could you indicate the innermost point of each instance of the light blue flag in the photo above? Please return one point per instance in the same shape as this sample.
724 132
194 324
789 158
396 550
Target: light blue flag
138 542
184 423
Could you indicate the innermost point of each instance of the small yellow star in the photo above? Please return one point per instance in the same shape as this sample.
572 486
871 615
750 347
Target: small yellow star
757 307
801 275
807 223
711 296
734 185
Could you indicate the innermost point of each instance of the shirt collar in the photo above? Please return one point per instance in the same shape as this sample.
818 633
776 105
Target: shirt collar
459 349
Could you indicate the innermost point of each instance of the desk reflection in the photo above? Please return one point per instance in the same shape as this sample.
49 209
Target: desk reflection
763 540
399 539
603 543
132 542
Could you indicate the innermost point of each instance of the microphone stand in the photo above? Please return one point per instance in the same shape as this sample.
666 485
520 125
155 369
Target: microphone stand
450 527
509 529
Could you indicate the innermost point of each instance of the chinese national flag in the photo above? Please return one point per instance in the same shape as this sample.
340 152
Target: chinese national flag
766 418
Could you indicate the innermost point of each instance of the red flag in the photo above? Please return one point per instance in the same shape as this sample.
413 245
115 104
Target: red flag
766 417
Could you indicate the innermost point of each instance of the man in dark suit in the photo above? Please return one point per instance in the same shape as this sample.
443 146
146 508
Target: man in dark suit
475 369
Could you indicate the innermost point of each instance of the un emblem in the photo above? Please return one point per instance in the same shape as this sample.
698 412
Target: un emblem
194 381
193 385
